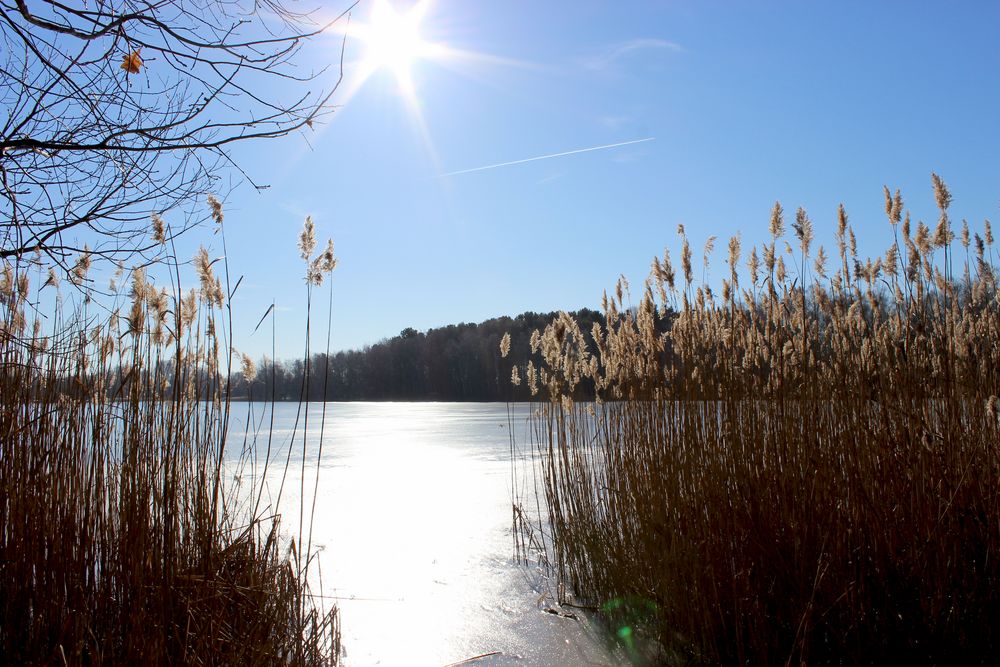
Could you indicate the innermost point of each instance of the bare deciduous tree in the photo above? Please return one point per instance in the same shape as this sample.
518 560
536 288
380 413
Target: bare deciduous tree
115 110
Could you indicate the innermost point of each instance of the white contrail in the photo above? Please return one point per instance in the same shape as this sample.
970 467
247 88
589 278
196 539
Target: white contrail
546 157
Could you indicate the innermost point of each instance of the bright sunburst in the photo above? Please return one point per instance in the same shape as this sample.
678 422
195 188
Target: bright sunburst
393 41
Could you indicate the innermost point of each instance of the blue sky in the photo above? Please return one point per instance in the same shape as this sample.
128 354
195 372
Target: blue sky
747 103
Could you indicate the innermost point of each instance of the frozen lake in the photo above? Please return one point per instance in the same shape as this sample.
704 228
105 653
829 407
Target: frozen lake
413 528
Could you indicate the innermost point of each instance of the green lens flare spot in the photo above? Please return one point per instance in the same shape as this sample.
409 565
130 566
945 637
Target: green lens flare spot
625 632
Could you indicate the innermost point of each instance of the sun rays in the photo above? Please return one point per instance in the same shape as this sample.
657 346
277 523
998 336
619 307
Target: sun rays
393 41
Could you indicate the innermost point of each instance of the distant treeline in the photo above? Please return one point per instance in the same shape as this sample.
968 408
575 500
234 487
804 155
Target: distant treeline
454 363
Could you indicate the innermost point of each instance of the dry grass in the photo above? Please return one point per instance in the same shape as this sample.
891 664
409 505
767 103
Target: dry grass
805 470
119 541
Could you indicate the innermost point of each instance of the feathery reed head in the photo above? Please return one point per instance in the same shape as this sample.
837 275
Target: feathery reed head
328 262
777 226
215 206
505 345
159 229
307 239
78 274
941 194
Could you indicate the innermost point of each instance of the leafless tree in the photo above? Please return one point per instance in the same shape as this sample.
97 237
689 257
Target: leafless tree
117 109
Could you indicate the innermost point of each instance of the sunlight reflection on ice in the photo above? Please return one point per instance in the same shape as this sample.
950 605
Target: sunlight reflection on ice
413 523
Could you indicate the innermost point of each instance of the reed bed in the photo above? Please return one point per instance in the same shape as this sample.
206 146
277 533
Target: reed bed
802 469
120 537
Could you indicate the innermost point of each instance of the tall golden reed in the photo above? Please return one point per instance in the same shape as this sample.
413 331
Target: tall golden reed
119 538
803 469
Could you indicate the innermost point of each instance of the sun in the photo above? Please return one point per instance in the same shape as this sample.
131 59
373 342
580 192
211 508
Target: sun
393 42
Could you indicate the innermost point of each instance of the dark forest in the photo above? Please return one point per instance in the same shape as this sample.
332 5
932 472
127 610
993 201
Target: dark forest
459 362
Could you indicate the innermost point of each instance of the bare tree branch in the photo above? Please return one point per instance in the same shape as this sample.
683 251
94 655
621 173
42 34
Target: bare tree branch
115 110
